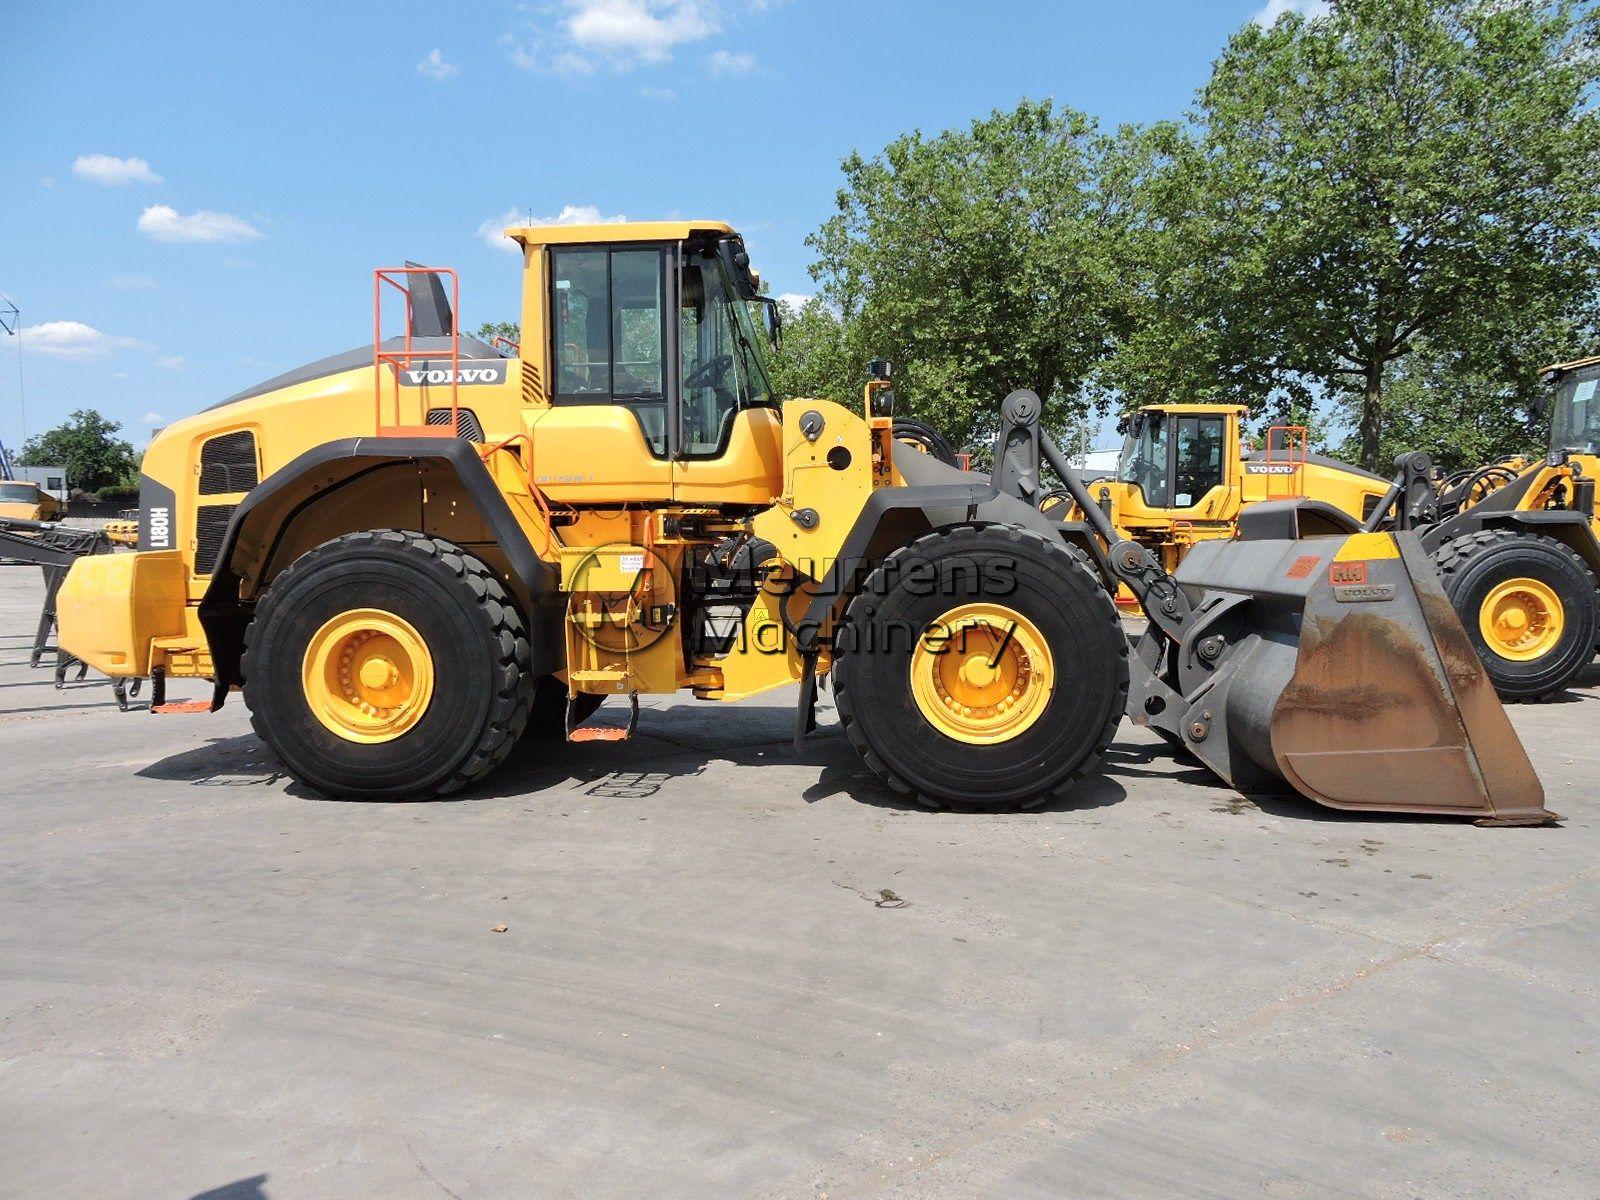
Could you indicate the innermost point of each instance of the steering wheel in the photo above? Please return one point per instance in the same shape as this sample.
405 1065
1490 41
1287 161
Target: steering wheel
712 371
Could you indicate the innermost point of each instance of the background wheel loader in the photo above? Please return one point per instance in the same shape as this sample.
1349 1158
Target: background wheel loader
1514 543
412 555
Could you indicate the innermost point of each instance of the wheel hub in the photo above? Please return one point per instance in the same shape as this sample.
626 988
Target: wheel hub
981 673
367 675
1522 619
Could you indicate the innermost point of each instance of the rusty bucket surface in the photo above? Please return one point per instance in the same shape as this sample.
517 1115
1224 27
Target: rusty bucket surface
1388 707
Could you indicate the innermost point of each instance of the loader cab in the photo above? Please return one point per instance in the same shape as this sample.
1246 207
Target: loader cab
656 343
1575 410
1177 458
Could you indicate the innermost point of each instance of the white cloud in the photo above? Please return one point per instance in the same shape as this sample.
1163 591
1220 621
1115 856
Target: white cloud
171 362
132 283
620 34
152 418
74 339
794 301
655 93
166 224
435 66
1273 9
492 230
109 171
721 62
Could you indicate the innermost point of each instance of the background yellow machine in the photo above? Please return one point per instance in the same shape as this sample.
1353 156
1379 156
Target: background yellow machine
1514 543
413 554
1185 474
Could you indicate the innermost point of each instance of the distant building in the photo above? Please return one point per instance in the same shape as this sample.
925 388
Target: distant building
1096 464
51 479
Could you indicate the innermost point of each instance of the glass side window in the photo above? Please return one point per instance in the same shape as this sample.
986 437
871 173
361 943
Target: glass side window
609 338
1575 419
723 368
1199 459
18 493
1144 458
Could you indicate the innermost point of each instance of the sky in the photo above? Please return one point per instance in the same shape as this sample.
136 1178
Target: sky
193 195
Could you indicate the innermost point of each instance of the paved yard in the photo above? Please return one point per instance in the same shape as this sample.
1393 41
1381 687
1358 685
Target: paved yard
212 984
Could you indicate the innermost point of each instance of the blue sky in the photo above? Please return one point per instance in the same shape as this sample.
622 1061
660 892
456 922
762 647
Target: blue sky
194 194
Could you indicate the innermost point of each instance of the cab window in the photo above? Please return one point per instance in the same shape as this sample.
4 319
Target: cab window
1144 458
723 369
1198 460
610 340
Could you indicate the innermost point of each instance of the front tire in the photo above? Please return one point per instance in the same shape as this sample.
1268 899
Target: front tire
981 667
387 665
1529 605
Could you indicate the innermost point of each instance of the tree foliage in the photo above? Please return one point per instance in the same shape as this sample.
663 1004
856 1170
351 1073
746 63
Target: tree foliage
980 260
86 445
1352 187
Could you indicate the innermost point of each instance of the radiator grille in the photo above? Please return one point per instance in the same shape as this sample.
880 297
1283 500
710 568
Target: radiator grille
228 464
467 425
211 522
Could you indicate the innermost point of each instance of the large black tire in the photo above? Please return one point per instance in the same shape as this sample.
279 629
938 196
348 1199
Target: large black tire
1472 566
475 637
548 717
1052 587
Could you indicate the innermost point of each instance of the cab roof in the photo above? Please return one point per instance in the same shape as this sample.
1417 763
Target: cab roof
1571 366
618 231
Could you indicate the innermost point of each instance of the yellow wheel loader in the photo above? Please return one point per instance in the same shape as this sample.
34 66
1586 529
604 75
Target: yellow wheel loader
409 556
1186 473
1517 545
1514 543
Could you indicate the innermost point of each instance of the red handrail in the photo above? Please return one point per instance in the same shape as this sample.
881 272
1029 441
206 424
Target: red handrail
397 359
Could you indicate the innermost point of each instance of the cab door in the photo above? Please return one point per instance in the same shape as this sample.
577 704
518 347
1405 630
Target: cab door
1199 478
605 437
728 435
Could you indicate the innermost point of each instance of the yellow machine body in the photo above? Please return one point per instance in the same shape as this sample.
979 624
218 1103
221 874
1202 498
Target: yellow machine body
24 501
429 547
1185 474
583 480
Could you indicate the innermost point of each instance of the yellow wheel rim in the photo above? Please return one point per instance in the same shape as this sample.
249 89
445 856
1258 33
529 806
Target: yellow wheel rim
1522 619
368 675
982 673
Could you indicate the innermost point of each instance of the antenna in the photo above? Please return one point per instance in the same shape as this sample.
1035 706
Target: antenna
11 322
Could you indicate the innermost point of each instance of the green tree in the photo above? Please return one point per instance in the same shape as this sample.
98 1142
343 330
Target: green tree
86 445
489 330
818 356
981 260
1396 173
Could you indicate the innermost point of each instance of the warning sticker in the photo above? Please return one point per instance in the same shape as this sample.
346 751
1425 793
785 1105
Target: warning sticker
1341 573
1302 567
630 562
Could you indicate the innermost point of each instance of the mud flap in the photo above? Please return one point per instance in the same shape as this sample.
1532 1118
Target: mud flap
1337 666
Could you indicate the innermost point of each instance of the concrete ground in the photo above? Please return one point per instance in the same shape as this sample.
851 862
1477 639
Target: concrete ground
212 984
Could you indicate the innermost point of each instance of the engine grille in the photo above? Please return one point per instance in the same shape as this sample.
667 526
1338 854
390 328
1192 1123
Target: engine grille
228 464
211 522
467 425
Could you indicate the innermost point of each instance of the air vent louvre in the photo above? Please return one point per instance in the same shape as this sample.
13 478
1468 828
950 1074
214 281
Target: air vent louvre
228 464
532 385
211 522
467 424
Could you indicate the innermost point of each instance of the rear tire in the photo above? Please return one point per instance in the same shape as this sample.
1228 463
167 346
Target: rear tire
467 633
1480 572
1070 624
